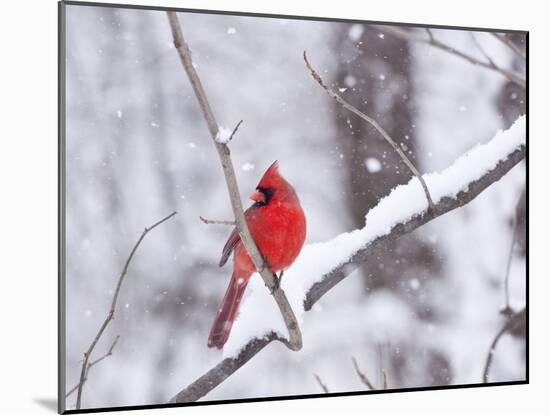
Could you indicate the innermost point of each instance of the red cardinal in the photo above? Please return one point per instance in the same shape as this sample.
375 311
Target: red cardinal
278 226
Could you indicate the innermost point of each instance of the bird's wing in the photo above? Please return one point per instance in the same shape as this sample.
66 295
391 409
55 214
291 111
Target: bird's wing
232 241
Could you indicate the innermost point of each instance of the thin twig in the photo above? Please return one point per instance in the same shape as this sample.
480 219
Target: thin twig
362 376
111 313
430 34
295 336
481 49
217 222
366 380
321 384
431 40
223 370
375 124
385 385
92 364
504 39
507 310
511 323
234 131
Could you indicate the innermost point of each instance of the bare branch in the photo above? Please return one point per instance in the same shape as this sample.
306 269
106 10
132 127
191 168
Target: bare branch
385 385
321 384
361 375
504 39
234 131
109 353
412 36
481 50
375 124
295 336
111 313
507 310
512 323
228 366
92 364
430 34
217 222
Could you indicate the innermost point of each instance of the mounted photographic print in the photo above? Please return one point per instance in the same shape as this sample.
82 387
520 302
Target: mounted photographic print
273 207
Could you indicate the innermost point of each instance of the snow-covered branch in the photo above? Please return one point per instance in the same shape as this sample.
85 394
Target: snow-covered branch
220 139
321 266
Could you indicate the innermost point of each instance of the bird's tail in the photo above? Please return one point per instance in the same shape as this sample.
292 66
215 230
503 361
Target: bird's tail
219 333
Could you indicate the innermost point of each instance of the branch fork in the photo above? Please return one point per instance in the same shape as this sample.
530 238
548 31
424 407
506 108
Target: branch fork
86 365
509 74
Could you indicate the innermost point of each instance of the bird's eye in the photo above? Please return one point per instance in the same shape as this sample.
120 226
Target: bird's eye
268 194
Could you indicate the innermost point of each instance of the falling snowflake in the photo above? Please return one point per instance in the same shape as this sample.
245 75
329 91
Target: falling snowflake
355 32
247 167
350 81
373 165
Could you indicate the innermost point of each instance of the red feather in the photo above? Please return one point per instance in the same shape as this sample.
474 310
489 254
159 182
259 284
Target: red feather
278 226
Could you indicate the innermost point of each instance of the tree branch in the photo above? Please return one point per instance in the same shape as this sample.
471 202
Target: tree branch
481 49
320 382
111 313
92 364
295 336
375 124
504 39
362 376
234 131
431 40
446 204
217 222
366 380
228 366
512 323
507 310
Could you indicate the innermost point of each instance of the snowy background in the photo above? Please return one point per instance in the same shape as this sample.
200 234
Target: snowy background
424 309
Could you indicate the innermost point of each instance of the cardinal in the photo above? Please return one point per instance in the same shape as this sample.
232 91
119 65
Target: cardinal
278 226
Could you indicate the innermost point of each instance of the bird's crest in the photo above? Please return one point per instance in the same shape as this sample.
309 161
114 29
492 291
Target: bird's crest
272 178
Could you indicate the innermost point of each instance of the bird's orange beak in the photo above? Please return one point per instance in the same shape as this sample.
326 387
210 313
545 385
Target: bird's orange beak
258 196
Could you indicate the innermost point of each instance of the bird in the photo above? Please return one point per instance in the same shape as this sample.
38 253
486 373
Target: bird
277 224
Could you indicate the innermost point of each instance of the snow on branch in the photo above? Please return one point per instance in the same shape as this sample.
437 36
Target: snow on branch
321 266
225 135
